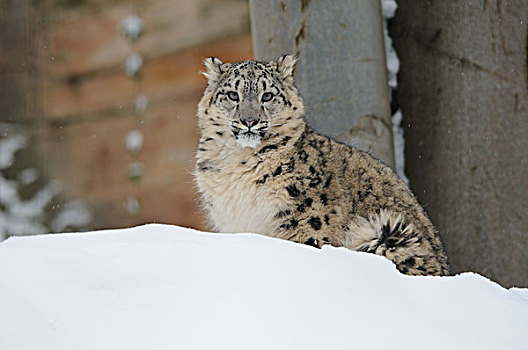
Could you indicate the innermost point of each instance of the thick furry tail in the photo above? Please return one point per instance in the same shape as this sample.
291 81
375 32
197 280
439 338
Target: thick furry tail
378 232
387 233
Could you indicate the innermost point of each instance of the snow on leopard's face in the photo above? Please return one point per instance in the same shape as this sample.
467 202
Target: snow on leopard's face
251 98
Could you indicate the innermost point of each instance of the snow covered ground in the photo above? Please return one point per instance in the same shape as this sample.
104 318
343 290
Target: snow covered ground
166 287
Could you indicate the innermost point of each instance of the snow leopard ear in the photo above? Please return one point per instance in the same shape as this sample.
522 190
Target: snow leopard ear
214 70
286 66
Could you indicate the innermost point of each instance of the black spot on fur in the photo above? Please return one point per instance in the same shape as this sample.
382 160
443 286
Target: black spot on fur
219 133
277 171
328 180
217 95
283 98
314 181
392 237
285 140
397 227
410 262
303 156
315 222
293 191
204 165
208 139
345 166
313 242
312 143
402 269
201 149
262 180
256 165
290 165
291 224
283 213
323 198
306 204
385 235
326 219
267 148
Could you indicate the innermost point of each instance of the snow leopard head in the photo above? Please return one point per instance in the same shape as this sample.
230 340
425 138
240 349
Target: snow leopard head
251 101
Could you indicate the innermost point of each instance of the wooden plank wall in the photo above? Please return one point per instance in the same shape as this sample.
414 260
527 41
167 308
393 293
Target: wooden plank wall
78 134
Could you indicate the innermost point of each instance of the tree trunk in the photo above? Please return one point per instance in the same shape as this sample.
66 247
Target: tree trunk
463 93
341 73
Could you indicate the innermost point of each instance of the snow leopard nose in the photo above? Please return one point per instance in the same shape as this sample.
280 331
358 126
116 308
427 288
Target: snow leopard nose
249 122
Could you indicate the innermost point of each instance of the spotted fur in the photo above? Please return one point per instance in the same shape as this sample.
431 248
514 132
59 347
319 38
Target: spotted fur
260 168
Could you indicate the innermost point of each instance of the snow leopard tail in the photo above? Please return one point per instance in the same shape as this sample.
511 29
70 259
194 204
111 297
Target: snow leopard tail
388 234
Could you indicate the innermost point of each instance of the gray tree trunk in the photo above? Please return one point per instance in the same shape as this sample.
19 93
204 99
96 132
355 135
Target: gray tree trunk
341 73
464 95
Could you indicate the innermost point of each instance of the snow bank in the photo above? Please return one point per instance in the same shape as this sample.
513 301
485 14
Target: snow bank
165 287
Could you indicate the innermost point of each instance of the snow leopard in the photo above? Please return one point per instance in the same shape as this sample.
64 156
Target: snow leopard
261 168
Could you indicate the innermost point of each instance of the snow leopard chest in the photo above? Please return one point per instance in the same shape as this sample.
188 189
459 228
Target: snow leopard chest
236 203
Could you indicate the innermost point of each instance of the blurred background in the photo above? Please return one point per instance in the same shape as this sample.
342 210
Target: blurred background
98 108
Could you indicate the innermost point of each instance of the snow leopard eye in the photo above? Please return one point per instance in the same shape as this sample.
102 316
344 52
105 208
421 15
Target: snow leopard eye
233 96
267 96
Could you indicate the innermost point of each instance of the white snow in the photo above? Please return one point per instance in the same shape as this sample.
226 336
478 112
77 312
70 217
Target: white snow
388 9
8 147
35 206
134 141
23 217
74 214
166 287
132 27
133 65
399 146
28 176
141 104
